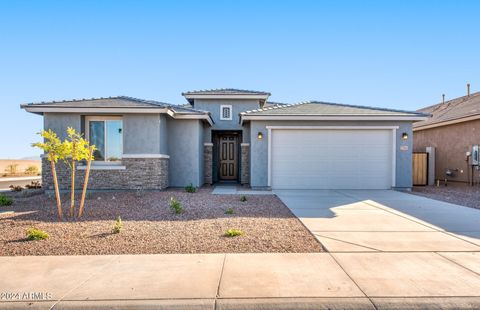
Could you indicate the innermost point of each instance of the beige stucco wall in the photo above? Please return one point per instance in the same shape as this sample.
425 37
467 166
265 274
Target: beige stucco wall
451 143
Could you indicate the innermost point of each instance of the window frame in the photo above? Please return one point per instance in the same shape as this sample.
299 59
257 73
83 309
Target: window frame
229 106
88 119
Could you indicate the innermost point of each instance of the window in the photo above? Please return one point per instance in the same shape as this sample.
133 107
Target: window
106 133
226 112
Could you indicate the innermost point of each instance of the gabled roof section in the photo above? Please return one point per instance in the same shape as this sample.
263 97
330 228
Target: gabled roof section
454 111
328 110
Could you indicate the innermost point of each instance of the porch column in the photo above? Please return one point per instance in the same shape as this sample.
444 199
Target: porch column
208 162
245 163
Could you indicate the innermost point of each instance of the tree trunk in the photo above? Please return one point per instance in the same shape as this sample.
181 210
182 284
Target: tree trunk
85 183
57 193
72 193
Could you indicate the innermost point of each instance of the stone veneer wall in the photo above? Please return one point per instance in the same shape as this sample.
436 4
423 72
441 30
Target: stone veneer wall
139 173
245 163
208 163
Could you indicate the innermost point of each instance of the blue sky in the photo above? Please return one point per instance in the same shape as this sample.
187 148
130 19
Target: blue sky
397 54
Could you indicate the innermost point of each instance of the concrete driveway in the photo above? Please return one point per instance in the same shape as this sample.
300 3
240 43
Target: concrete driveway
384 221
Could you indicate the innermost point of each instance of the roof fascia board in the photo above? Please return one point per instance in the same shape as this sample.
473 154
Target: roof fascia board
91 110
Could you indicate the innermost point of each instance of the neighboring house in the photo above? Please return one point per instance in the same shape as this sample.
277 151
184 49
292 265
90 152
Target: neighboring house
231 135
453 129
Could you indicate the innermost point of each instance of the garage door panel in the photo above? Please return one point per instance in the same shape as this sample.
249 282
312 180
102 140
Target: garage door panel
331 159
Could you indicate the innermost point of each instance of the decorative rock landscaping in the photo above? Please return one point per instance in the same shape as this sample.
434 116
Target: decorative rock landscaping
150 226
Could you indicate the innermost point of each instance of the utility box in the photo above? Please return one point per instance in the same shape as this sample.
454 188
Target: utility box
431 165
475 156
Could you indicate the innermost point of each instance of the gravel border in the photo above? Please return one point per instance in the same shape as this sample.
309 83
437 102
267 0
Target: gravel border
151 227
456 193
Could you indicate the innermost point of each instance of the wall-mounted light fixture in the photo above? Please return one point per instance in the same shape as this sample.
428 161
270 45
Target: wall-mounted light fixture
404 136
260 135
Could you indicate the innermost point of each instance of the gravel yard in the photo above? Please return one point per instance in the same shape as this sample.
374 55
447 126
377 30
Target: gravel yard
457 193
150 226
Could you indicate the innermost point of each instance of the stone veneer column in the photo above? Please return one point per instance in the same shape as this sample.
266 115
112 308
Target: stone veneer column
245 163
208 162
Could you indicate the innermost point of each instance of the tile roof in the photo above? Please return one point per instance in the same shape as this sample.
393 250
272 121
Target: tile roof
186 109
454 109
328 108
116 102
225 91
269 104
103 102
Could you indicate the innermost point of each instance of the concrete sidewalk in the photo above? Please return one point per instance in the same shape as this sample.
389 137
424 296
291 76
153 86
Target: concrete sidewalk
243 281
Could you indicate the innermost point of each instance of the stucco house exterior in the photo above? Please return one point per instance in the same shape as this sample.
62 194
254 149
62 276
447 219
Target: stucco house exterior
232 135
453 130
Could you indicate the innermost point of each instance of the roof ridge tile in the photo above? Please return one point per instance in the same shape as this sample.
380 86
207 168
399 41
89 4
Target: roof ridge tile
213 90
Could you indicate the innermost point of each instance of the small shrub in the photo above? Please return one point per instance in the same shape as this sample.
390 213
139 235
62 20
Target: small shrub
31 170
230 211
16 188
34 185
176 206
5 200
190 188
36 234
12 169
234 232
243 198
118 227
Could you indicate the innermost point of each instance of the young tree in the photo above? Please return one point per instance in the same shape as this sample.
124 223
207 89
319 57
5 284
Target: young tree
54 150
77 149
85 182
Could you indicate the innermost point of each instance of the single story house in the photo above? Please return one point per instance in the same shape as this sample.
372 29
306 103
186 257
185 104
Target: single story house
232 135
453 130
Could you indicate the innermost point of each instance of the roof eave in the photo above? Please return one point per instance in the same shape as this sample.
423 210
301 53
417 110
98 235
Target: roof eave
205 117
40 109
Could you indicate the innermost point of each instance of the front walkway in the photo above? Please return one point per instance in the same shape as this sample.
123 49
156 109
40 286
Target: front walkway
227 189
